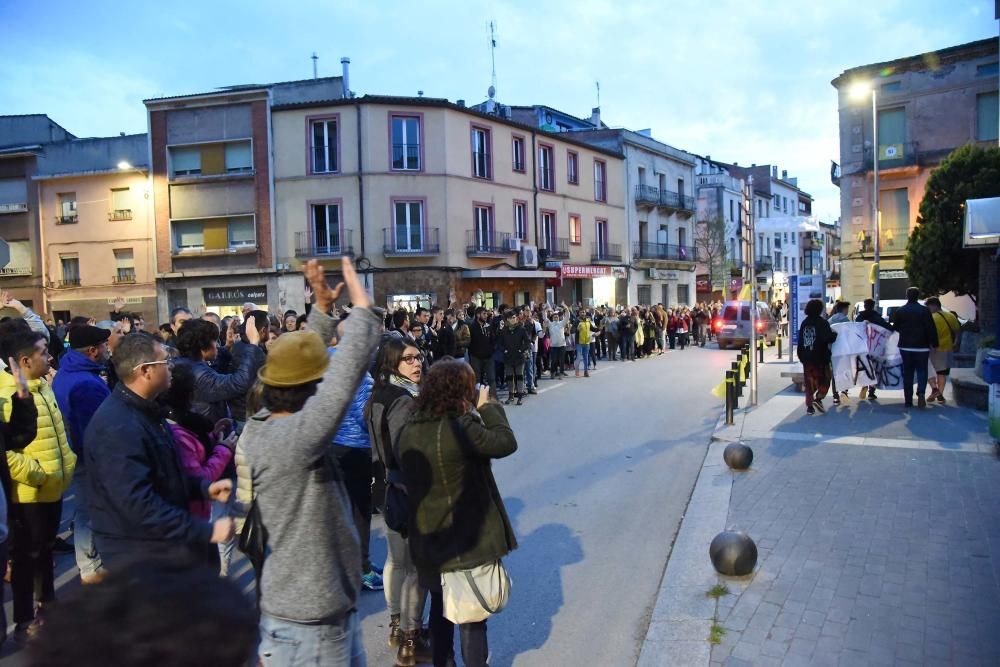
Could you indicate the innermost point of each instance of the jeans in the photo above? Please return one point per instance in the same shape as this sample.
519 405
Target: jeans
403 593
612 347
583 355
35 526
225 549
87 558
529 370
627 344
556 360
672 335
290 644
485 371
472 636
914 362
356 466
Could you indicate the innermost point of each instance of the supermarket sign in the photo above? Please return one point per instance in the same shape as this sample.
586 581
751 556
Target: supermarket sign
591 271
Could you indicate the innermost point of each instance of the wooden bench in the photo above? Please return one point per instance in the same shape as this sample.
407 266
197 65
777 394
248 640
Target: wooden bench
798 377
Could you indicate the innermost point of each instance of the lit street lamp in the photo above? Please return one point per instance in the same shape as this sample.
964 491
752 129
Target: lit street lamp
860 91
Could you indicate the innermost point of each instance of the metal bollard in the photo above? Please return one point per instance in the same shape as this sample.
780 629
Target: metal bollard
761 358
730 397
736 379
779 347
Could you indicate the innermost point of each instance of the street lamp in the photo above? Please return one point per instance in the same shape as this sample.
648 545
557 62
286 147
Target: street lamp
860 91
124 165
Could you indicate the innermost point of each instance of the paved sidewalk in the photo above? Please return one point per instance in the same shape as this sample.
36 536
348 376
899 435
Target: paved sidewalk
878 532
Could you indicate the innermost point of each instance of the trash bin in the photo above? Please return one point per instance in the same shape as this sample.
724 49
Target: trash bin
991 375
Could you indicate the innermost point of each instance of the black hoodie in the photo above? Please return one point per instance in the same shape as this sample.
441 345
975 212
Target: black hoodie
815 338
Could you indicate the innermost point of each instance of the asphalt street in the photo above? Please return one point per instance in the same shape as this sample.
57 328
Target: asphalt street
596 492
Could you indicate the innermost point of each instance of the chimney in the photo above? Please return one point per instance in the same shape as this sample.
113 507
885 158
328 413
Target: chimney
784 174
753 164
774 171
595 116
345 63
460 103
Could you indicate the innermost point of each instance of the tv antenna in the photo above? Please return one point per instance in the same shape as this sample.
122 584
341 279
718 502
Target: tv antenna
493 60
314 59
598 84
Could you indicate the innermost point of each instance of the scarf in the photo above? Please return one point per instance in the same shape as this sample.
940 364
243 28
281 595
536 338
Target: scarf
405 383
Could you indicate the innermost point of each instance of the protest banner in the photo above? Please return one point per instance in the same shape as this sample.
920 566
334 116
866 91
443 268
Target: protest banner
866 355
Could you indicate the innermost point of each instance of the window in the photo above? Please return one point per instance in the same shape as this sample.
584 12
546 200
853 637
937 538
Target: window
409 225
185 161
549 230
683 296
238 157
602 238
324 146
892 87
67 207
645 295
891 133
987 69
483 227
242 233
784 237
575 230
482 166
546 169
406 143
124 265
680 186
642 176
189 235
681 236
794 259
777 202
760 208
572 168
521 220
600 180
785 263
894 206
70 270
784 204
517 153
121 203
986 117
731 207
326 229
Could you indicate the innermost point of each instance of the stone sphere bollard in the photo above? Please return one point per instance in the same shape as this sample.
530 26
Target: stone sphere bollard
733 553
738 456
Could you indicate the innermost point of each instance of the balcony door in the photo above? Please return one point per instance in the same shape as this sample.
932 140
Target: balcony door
602 238
483 228
549 231
326 229
409 225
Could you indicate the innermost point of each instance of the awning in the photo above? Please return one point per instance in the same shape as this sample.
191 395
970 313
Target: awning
982 221
509 274
795 223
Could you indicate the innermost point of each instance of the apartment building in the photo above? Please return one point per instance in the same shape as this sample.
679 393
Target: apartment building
660 213
441 203
22 140
927 105
213 204
721 196
96 226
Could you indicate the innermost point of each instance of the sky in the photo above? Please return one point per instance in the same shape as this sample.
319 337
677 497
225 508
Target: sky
745 82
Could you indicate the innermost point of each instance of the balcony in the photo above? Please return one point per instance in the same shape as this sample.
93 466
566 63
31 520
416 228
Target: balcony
892 156
665 252
418 242
673 201
66 219
8 271
606 252
214 252
307 245
68 282
490 244
120 214
21 207
763 264
553 248
647 195
124 277
406 157
724 180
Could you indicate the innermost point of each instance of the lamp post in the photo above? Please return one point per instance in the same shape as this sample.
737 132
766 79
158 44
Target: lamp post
860 91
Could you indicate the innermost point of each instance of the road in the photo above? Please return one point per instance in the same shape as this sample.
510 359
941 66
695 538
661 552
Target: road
596 492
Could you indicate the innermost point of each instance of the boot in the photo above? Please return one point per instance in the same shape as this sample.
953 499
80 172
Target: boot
414 650
395 634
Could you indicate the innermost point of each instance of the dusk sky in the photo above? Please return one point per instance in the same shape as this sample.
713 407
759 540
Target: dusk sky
740 81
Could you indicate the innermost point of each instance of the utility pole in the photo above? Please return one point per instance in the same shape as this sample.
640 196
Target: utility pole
751 227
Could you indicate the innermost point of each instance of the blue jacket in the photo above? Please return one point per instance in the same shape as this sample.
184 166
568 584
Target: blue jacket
137 490
353 431
79 391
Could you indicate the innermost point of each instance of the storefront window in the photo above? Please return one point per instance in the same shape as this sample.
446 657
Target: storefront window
408 301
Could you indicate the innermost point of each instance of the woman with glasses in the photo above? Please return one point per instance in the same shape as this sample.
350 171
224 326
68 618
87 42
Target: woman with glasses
457 520
397 384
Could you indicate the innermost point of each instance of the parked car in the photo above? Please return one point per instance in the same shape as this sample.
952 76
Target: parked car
886 307
733 328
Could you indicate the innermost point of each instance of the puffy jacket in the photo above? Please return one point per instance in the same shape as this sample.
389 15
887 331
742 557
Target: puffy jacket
915 326
79 391
353 431
387 413
482 342
15 434
872 316
213 390
137 490
583 332
457 517
515 344
244 488
196 464
463 337
43 469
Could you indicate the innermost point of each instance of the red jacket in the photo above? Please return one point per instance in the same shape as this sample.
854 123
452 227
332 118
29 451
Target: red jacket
196 464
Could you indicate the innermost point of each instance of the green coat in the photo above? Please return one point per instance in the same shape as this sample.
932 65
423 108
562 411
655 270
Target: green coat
457 517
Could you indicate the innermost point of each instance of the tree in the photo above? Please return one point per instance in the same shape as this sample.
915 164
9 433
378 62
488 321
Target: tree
935 260
710 242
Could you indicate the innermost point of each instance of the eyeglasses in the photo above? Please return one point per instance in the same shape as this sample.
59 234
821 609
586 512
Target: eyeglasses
168 361
412 358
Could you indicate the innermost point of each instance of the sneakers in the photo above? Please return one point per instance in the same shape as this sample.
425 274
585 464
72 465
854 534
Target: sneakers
810 410
921 402
844 398
836 399
532 391
818 404
63 546
871 395
372 581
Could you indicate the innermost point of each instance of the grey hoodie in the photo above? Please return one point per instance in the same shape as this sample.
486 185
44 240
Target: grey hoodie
312 570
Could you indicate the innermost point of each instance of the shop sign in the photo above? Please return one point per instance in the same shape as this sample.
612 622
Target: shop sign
590 271
892 274
663 274
227 296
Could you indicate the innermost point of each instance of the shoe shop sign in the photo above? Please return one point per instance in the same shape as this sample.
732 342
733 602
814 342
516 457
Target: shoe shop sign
866 355
228 296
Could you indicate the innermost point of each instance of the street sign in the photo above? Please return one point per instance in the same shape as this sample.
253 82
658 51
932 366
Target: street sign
4 253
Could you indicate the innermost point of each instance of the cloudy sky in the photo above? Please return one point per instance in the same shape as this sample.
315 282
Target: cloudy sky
740 81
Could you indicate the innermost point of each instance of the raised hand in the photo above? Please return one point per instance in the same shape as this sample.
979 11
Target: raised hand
308 294
324 294
119 303
219 491
253 336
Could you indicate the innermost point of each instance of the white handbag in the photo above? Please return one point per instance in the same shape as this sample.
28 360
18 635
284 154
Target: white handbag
474 595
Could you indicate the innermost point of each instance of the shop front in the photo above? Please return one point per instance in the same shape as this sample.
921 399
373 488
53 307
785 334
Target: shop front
589 284
229 300
492 287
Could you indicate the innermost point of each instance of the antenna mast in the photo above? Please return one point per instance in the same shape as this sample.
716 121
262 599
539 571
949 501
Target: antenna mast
598 84
314 59
493 60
